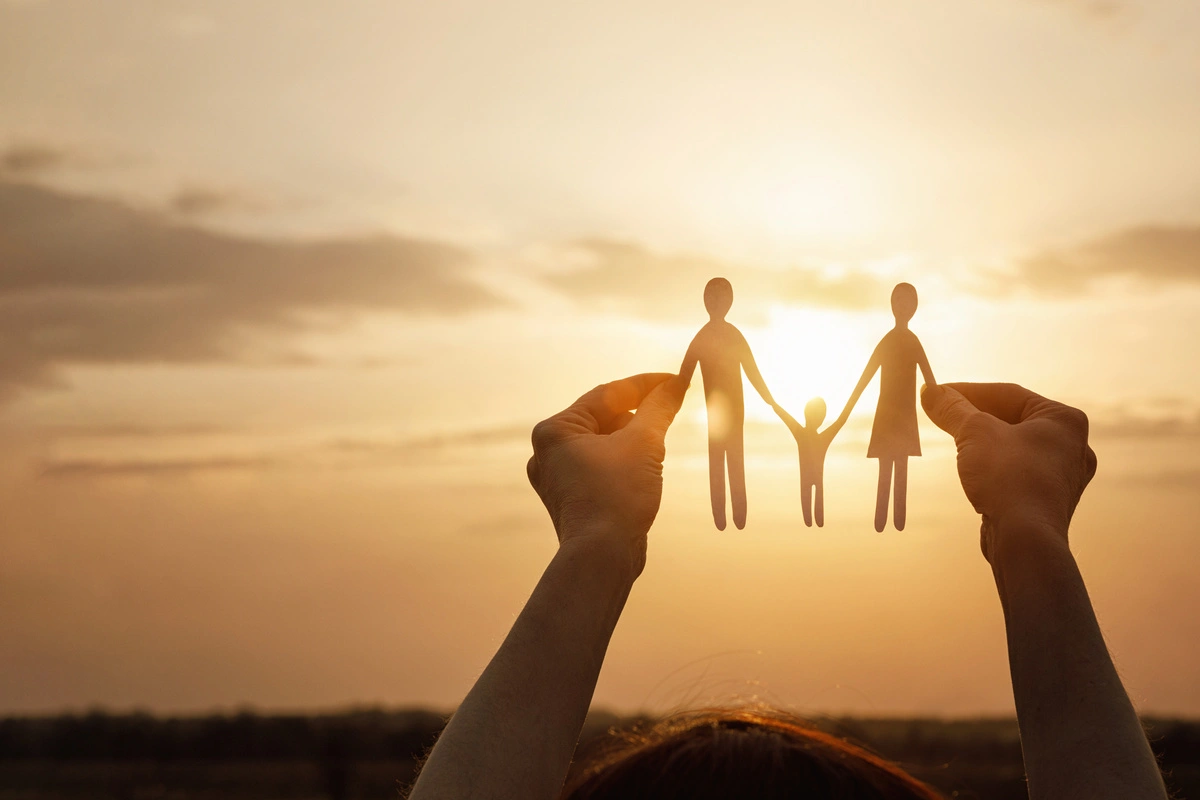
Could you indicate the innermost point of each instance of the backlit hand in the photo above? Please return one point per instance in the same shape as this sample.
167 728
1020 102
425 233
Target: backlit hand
597 466
1023 459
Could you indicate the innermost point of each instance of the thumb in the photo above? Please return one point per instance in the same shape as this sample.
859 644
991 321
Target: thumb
947 408
655 413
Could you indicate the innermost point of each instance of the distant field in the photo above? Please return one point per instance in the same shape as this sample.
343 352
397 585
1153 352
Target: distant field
372 753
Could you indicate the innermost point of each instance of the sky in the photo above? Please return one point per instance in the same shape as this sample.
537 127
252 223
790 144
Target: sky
285 285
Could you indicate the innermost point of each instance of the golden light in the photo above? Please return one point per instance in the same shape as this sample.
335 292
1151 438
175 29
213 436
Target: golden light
807 353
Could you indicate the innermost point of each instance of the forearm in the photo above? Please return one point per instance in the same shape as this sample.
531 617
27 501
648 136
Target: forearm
1079 733
515 733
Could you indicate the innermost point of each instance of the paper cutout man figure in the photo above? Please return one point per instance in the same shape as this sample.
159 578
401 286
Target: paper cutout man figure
812 446
723 354
894 434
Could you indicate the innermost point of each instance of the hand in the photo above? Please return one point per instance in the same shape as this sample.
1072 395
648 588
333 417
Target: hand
598 467
1023 459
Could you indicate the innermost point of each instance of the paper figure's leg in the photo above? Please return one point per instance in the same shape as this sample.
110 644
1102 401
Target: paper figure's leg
737 477
819 503
716 480
901 500
806 503
881 495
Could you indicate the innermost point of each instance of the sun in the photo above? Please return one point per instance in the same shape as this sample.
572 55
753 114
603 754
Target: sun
810 352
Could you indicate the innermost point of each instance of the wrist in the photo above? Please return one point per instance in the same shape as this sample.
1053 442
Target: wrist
608 556
1023 549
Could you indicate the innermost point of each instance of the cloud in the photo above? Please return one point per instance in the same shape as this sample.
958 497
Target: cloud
1133 426
503 434
1092 9
1152 254
31 159
201 200
93 280
134 431
1168 480
625 277
95 468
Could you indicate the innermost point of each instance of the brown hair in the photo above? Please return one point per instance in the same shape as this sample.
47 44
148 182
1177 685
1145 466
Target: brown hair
739 753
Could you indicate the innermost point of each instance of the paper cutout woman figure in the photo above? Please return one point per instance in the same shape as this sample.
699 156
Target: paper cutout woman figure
894 434
812 446
723 354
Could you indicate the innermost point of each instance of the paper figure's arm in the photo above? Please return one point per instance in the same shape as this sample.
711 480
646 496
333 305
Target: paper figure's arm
923 363
751 369
788 420
597 469
867 375
836 425
688 367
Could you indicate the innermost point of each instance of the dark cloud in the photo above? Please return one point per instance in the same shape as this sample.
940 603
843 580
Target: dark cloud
1156 254
625 277
201 200
1132 426
133 431
1169 480
362 451
1092 9
153 468
503 434
87 280
31 159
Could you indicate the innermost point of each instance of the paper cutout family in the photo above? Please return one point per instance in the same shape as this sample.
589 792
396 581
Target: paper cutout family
723 354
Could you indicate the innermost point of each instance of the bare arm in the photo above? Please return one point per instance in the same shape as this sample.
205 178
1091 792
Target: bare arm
752 373
1024 462
598 470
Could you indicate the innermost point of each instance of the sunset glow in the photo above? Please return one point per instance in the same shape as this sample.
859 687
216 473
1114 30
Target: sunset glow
284 288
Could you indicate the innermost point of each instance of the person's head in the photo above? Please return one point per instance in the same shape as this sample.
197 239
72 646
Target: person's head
814 412
904 302
740 753
718 298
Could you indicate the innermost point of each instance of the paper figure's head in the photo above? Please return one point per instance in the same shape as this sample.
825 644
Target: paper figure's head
904 302
718 298
814 412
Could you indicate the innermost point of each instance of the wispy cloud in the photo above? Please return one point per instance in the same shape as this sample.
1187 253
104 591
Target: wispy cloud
365 451
1093 9
503 434
153 468
1151 254
202 200
25 159
626 277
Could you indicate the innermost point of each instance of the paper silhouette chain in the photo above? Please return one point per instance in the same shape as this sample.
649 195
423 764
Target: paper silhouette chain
723 355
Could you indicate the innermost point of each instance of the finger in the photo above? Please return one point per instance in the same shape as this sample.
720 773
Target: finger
596 409
617 423
1010 402
658 410
947 407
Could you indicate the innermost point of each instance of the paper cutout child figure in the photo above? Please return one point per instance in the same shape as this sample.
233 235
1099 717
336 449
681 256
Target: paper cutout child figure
894 434
812 446
723 353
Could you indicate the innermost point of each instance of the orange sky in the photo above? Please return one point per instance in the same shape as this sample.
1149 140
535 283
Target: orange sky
283 288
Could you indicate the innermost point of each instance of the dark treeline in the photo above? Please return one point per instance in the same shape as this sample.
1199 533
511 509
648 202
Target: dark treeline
361 753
